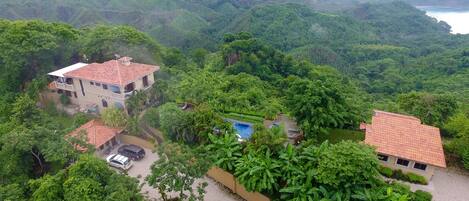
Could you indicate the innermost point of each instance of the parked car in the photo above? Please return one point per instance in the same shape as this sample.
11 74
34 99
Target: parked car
134 152
119 161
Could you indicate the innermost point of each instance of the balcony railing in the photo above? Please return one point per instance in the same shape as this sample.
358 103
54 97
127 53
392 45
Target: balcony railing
64 86
128 93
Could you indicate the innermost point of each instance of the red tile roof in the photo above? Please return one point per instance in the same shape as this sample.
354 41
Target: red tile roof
119 72
96 132
405 137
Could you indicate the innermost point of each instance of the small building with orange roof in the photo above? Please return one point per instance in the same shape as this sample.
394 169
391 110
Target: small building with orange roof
97 134
403 142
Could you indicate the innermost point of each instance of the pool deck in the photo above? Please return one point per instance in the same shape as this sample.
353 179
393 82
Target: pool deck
289 126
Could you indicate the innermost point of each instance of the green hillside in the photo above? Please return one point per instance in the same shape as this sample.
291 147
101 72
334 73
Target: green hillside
288 26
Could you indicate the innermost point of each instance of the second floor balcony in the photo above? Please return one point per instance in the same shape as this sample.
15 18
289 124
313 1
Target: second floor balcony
64 86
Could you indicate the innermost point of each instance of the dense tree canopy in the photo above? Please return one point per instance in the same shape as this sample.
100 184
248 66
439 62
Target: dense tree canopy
431 109
88 179
387 55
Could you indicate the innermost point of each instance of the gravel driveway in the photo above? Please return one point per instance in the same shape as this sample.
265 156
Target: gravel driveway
446 185
140 169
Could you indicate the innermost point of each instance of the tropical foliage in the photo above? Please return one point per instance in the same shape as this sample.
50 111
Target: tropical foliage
88 179
114 117
325 63
226 150
177 170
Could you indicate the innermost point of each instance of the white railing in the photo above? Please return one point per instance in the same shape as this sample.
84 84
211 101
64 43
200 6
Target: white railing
128 94
64 86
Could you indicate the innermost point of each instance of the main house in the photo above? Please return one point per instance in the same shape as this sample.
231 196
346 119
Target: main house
403 142
100 85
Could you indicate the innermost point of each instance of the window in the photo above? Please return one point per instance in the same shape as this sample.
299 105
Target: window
402 162
104 103
60 91
68 93
420 166
115 89
382 157
145 81
69 81
92 83
98 84
104 86
119 105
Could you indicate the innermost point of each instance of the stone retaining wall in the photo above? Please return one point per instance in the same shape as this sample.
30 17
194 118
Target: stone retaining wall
129 139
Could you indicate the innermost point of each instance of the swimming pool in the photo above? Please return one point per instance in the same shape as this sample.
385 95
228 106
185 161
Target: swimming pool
243 129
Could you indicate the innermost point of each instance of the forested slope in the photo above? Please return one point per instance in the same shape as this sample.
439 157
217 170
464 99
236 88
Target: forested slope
325 68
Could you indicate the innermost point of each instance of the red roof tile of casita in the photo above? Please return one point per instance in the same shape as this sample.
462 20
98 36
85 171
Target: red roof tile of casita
405 137
113 72
97 133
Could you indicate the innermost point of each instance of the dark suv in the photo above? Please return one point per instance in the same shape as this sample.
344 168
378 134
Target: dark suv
134 152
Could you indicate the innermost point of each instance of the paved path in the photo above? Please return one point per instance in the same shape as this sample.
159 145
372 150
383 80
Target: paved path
140 169
446 185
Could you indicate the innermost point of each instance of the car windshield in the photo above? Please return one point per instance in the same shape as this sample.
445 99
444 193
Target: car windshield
126 162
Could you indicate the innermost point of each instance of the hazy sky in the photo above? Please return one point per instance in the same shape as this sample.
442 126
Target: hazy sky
459 21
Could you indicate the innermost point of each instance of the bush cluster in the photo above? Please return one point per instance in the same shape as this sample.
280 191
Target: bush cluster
399 175
385 171
420 195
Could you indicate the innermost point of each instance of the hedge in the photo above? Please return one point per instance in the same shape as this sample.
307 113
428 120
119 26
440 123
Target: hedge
420 195
245 118
385 171
399 175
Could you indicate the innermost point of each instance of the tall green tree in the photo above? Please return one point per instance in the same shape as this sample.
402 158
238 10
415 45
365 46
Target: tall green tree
101 43
88 179
319 104
176 171
43 46
431 109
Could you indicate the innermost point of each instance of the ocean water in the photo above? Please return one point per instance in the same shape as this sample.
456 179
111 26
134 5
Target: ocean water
457 18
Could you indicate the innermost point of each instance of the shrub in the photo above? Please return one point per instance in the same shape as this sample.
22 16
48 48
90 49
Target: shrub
420 195
347 164
398 174
152 117
80 119
65 100
226 149
415 178
258 172
114 117
385 171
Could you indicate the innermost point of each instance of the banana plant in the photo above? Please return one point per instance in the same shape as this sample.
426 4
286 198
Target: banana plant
226 149
258 171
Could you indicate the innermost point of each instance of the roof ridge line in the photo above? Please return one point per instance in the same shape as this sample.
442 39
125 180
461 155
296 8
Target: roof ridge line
398 115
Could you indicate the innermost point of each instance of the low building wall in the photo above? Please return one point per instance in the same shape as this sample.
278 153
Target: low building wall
228 180
129 139
391 163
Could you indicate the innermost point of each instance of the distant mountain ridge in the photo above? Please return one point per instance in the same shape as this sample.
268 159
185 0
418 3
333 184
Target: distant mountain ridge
286 24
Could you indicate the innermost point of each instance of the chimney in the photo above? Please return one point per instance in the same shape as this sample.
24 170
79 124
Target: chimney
125 60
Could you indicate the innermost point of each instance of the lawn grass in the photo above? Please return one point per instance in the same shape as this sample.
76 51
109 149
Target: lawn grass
244 117
338 135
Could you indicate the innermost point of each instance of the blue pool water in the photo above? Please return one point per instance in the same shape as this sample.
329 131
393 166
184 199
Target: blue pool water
243 129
